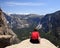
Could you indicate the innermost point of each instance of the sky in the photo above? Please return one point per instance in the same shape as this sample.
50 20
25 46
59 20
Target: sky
40 7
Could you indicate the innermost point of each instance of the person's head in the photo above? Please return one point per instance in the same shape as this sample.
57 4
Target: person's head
35 29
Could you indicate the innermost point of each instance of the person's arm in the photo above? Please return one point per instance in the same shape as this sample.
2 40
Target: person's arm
39 35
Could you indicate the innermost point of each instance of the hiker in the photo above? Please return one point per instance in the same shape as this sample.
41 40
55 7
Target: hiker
34 37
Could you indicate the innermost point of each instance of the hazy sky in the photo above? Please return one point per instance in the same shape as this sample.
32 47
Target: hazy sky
30 6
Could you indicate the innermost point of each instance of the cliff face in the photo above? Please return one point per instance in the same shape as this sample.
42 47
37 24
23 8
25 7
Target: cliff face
4 31
51 22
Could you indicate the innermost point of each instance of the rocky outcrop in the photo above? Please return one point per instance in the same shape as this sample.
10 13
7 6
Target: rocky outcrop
44 43
4 40
7 36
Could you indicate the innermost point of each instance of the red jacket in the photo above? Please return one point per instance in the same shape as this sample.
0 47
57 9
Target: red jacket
35 35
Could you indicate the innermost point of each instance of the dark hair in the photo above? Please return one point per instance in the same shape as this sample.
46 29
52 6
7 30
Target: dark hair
35 29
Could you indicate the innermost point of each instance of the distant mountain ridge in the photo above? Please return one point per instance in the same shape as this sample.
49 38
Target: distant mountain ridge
22 21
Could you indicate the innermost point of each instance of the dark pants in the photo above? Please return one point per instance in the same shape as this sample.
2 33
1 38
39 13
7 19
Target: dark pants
36 41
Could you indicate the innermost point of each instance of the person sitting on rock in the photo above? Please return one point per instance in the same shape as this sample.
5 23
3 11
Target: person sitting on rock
35 36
